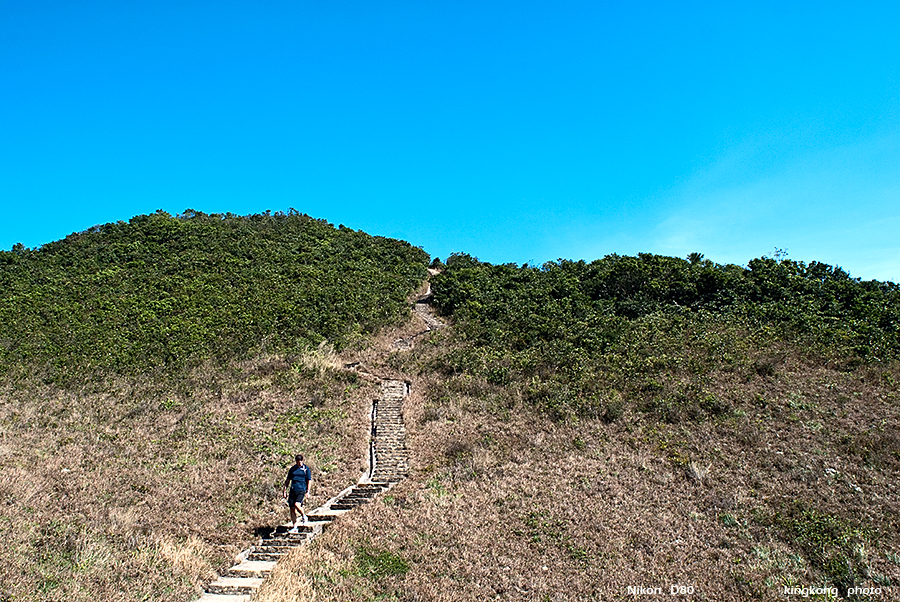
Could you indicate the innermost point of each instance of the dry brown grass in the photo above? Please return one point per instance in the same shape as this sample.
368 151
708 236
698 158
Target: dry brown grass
123 491
502 503
505 504
320 359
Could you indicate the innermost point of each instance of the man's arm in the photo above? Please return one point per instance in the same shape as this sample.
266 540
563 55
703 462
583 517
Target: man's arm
287 483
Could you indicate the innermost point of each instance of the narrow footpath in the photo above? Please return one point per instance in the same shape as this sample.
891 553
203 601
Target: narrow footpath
388 464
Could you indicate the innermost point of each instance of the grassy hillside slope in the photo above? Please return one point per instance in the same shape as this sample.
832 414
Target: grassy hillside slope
582 427
637 421
156 378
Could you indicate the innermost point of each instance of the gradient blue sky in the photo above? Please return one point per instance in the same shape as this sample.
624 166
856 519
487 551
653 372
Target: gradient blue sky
514 131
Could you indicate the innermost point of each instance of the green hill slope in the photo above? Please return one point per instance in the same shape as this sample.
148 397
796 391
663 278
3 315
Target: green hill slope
171 292
583 338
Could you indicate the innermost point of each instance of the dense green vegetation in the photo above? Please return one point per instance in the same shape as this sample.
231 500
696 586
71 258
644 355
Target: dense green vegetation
165 292
584 338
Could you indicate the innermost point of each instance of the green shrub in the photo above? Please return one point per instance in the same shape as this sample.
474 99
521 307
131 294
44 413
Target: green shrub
165 293
378 564
830 543
568 334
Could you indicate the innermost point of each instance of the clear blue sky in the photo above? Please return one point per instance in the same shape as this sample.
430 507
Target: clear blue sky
514 131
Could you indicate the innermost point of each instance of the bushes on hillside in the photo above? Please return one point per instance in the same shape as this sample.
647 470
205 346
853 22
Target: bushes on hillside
572 335
163 292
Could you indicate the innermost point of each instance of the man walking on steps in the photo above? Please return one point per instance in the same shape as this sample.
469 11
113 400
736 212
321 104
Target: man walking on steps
298 479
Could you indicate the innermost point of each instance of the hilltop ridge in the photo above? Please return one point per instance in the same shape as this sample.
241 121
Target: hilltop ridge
169 292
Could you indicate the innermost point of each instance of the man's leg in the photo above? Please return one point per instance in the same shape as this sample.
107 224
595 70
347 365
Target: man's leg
299 505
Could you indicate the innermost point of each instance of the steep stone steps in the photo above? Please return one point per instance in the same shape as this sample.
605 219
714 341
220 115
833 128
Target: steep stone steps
389 459
234 585
251 568
389 463
389 453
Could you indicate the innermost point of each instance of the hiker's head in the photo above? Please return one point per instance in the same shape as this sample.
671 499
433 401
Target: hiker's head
298 459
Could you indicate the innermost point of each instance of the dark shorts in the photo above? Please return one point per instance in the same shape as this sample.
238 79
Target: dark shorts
296 497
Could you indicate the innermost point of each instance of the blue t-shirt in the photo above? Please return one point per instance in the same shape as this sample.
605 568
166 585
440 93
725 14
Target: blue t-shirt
299 476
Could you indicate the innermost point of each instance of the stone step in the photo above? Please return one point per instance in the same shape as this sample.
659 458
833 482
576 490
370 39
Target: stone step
234 585
251 568
284 529
279 542
289 539
275 548
339 506
353 500
208 597
267 556
319 518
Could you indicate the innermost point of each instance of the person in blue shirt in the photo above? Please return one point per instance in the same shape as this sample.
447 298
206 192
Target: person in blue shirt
299 477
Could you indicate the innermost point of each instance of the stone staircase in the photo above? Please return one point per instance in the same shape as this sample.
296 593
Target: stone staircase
389 457
388 464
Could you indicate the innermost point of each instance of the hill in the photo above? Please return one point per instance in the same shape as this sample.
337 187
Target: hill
581 428
155 378
591 431
173 292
